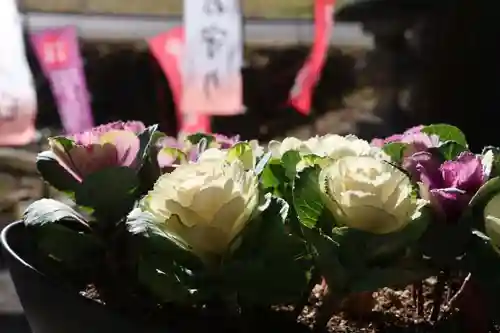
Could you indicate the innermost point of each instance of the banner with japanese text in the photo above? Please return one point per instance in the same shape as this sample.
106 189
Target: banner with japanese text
211 70
58 52
307 78
168 49
18 104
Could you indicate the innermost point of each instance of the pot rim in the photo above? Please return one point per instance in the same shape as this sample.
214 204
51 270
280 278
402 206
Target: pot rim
103 308
7 247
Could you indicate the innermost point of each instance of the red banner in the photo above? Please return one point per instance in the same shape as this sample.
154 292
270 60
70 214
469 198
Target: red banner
168 48
308 76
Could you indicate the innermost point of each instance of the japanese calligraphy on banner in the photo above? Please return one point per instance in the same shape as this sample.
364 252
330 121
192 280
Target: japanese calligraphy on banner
59 55
18 105
168 49
307 78
211 70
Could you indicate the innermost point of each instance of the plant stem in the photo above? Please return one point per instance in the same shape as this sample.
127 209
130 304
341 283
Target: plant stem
331 304
117 279
418 297
437 294
304 299
453 301
471 304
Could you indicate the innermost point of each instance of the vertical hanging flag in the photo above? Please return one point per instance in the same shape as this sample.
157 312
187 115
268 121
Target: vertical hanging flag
211 70
168 49
307 78
59 55
18 105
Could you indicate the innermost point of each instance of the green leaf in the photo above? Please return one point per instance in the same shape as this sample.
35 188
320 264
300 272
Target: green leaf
62 233
347 257
358 250
149 172
66 143
273 174
243 152
273 214
266 255
176 155
312 160
485 194
279 174
383 248
195 139
477 204
451 149
395 150
163 281
144 225
54 174
352 251
326 253
47 211
289 161
166 269
147 140
307 197
147 159
446 133
446 243
491 161
73 249
110 192
344 261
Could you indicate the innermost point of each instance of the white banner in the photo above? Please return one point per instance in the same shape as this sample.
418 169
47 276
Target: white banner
211 70
17 91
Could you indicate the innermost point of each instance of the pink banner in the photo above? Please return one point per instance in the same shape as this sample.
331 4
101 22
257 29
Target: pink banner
167 49
59 55
307 78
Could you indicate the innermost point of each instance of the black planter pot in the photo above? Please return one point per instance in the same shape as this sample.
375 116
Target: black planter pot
51 308
54 308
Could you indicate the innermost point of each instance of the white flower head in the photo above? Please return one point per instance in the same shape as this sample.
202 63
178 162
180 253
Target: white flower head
205 204
336 146
369 194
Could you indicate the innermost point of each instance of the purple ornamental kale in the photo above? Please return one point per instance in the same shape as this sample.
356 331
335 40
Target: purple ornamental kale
416 140
109 145
174 151
449 186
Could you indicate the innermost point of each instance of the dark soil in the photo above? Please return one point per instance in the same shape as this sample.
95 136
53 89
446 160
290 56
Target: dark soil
387 310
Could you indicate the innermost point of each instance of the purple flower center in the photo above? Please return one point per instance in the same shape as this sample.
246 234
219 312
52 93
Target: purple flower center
450 185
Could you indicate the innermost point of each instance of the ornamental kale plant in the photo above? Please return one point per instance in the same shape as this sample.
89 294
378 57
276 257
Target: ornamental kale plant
461 188
200 233
213 223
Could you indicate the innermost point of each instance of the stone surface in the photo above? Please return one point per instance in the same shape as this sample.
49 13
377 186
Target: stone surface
9 303
12 319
